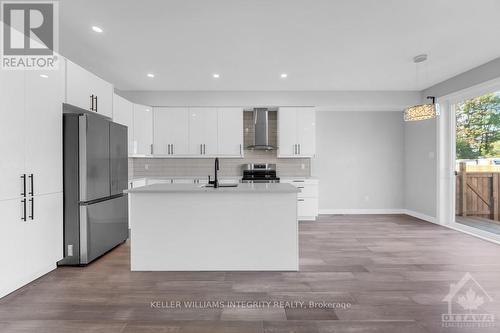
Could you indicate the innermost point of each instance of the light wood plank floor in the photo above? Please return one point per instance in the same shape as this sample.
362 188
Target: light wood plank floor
393 270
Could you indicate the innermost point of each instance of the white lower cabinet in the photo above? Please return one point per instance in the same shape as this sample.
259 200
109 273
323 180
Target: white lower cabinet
31 248
307 198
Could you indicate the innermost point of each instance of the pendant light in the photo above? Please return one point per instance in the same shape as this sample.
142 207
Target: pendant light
421 111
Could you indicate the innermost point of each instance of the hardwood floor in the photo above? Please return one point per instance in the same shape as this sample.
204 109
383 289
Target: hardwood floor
394 271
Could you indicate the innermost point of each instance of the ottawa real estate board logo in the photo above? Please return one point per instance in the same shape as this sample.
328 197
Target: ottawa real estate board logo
466 301
29 35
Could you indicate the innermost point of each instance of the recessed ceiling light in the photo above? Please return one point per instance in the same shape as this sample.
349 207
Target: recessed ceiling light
97 29
284 75
151 75
44 76
216 76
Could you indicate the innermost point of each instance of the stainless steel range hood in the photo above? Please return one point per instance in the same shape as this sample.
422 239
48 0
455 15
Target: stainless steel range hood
261 135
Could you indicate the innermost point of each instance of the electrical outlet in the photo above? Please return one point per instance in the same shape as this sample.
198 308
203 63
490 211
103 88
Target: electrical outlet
70 250
146 166
302 166
367 198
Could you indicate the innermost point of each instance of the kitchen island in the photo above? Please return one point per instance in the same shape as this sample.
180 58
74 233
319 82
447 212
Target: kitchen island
191 227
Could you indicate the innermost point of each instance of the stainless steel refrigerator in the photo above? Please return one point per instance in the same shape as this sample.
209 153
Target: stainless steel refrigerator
95 175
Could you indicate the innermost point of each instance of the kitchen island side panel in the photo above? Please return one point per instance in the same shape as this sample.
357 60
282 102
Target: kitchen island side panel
214 231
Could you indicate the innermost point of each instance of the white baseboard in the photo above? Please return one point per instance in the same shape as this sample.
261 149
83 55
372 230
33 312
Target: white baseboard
361 211
421 216
412 213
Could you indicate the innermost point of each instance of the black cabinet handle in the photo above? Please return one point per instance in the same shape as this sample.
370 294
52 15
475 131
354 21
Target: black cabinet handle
32 201
23 177
91 102
32 191
95 104
300 200
24 209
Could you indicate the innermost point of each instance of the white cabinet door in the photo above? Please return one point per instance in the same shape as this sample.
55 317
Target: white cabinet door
203 131
171 128
104 96
87 91
123 113
307 208
296 132
287 132
45 232
306 132
230 131
43 130
12 133
13 248
79 86
143 130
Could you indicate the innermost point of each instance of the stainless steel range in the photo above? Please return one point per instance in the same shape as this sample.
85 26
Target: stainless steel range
259 173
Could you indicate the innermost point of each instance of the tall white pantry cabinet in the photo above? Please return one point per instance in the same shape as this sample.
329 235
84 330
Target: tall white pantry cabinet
31 200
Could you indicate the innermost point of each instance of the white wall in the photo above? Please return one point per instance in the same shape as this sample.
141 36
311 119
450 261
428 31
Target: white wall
421 140
360 161
480 74
420 182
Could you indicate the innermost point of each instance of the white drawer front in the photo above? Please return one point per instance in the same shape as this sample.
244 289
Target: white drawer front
307 208
307 191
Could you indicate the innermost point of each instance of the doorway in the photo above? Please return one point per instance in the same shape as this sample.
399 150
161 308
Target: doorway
477 162
469 135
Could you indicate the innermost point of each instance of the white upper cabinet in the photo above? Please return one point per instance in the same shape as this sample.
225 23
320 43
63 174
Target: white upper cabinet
230 131
203 131
306 131
43 130
87 91
198 132
171 131
123 113
12 132
143 130
31 129
296 132
287 132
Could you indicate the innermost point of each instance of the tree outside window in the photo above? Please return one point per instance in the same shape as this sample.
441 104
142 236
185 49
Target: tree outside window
478 127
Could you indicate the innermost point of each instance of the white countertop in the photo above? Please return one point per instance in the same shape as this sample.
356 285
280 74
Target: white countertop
197 188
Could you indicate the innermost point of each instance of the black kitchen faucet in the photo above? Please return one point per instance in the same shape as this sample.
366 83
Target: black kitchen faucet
215 182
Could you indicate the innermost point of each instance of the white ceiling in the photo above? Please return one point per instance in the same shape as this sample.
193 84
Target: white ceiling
321 44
